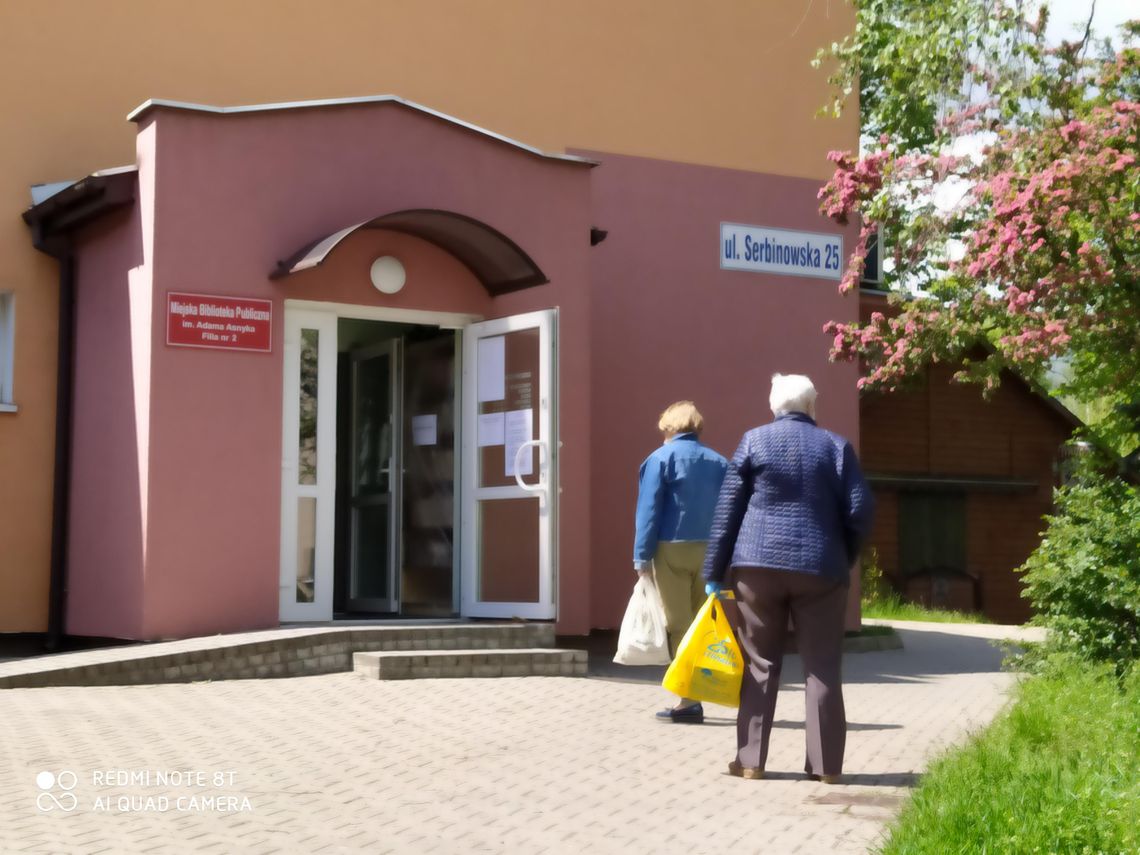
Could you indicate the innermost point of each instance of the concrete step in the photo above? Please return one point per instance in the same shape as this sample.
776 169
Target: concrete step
459 636
419 664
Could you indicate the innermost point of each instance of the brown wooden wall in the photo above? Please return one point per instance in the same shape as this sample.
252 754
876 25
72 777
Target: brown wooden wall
944 429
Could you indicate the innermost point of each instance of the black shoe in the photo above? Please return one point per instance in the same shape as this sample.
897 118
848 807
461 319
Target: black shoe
694 714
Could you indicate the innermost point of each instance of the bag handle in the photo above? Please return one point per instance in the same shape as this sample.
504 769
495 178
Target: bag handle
716 598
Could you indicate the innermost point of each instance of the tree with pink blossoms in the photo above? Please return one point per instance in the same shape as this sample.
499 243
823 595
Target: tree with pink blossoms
1005 179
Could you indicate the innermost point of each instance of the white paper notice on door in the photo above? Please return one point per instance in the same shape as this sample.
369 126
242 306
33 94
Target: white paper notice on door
492 362
424 430
491 429
518 431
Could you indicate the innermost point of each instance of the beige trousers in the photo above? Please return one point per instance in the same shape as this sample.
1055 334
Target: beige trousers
677 574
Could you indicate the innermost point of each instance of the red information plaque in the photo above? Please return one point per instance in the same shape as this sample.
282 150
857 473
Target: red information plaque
226 323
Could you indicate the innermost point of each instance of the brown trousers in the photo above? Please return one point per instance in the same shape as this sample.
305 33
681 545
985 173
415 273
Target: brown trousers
816 605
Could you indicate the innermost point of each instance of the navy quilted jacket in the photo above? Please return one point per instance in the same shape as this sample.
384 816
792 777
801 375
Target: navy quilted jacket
793 498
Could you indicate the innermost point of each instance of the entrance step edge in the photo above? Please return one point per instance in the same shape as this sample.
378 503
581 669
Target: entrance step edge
519 662
455 636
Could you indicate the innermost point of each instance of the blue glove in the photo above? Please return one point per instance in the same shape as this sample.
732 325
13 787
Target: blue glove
712 588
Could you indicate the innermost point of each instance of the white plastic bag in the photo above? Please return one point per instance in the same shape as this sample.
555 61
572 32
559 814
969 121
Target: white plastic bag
643 639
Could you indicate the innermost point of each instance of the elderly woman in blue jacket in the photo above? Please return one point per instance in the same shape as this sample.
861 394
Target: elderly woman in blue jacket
677 493
791 518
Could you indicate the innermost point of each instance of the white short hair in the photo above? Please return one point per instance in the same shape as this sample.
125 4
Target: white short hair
792 393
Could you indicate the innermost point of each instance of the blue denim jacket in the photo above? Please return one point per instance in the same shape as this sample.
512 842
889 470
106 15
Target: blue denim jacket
676 495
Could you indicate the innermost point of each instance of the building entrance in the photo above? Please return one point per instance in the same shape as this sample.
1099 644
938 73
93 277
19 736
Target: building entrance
387 506
369 470
395 494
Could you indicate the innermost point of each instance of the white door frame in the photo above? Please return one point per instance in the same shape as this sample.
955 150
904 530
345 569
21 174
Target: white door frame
324 491
544 489
323 316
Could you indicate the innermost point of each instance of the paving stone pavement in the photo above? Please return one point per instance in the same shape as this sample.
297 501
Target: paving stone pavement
341 763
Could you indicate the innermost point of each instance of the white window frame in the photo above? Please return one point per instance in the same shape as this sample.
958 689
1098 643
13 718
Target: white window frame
7 350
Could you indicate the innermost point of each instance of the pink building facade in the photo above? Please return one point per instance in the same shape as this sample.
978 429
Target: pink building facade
340 360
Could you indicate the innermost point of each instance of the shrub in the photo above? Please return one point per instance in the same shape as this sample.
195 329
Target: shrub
1084 578
872 581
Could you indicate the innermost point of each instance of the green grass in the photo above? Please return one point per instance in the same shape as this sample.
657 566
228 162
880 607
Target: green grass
1059 772
893 607
871 630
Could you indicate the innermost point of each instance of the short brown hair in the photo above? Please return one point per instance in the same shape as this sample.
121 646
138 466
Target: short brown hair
681 417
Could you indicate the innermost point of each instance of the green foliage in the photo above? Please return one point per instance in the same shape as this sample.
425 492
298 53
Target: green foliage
872 582
1058 773
1084 579
874 631
914 61
1002 171
890 606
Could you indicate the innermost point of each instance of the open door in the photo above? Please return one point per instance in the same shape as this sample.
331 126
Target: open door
510 466
376 479
308 466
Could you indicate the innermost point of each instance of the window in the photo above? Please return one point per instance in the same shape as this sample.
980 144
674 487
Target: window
873 269
7 347
932 533
932 552
1070 457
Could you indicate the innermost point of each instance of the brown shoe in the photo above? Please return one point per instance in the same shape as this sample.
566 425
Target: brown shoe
825 779
751 772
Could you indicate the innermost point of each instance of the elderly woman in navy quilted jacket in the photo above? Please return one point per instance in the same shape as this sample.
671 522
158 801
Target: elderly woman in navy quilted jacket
792 515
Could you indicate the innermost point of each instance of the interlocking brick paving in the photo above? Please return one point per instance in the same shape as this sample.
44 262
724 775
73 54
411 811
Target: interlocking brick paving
341 763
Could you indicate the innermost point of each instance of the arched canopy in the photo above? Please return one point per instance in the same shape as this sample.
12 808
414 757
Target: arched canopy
495 259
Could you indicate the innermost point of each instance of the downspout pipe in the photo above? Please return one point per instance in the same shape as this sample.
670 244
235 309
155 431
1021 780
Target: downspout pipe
60 248
61 482
53 223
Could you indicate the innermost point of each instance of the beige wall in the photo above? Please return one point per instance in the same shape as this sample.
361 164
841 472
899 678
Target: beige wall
725 84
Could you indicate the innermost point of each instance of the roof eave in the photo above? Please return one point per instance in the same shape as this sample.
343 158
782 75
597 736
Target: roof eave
151 104
53 220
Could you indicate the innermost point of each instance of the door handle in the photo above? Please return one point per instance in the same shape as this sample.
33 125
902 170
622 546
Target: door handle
531 488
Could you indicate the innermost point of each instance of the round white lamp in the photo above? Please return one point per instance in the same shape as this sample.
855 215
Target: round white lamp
388 274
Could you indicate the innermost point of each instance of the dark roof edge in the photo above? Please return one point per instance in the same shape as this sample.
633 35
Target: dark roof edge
951 482
1034 388
79 204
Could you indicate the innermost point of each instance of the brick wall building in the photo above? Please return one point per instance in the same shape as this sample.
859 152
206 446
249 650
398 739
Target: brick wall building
961 485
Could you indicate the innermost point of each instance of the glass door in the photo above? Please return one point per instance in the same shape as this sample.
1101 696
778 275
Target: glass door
376 478
308 466
510 466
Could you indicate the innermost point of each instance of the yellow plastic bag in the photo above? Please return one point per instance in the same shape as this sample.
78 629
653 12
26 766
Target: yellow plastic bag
708 665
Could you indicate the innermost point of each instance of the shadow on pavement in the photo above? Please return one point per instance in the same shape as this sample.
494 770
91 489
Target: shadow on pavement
722 721
851 725
835 794
29 645
924 654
